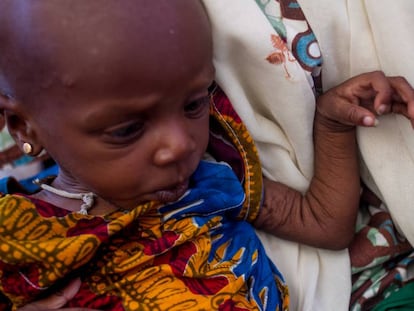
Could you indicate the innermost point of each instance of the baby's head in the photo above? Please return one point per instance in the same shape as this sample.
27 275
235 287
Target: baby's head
115 91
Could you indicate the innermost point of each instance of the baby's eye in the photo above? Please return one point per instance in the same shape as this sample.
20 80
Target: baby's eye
197 108
125 133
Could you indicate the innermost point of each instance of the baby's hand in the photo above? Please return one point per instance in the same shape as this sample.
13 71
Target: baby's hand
360 99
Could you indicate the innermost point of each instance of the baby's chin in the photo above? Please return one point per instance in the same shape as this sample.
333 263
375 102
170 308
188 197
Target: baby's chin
171 195
164 196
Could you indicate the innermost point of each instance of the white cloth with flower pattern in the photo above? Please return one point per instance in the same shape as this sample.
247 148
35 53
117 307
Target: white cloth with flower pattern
276 102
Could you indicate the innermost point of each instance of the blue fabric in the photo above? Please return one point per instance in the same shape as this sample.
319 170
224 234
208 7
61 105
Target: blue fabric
27 183
215 192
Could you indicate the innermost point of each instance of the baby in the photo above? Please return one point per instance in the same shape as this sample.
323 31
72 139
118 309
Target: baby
159 185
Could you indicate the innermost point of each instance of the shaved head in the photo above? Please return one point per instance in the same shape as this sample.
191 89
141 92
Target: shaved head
108 86
60 44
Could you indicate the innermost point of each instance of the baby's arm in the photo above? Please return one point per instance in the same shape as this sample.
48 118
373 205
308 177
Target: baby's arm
325 215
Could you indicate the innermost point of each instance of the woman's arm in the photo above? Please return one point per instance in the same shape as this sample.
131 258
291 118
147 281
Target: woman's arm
325 215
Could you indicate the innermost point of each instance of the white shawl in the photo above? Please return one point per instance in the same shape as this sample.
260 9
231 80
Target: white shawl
354 36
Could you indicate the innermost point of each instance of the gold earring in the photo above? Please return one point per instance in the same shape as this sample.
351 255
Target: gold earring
27 148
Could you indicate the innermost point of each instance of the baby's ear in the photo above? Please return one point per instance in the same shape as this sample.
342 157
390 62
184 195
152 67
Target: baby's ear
19 125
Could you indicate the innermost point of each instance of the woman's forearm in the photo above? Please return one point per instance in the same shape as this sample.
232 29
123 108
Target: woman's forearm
325 215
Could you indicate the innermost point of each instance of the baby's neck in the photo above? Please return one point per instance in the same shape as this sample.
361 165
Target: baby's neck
100 207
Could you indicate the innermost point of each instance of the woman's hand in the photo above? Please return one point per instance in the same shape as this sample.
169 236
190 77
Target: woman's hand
360 99
57 300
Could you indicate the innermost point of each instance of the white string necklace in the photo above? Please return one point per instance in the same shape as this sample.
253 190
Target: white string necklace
87 197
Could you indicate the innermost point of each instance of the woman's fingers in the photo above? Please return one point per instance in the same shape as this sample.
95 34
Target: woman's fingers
57 300
403 98
371 90
358 100
345 110
61 297
384 92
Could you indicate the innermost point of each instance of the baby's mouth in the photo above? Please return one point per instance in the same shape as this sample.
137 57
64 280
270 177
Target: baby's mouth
173 194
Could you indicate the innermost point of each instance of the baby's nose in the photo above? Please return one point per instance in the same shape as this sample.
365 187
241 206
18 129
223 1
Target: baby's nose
177 144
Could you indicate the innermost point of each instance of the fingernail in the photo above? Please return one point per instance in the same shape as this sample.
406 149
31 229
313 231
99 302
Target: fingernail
370 121
381 109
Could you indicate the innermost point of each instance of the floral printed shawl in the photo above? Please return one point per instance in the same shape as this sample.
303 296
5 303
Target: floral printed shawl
193 254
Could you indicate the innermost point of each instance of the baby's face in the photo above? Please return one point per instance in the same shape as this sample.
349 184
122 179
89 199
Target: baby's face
125 110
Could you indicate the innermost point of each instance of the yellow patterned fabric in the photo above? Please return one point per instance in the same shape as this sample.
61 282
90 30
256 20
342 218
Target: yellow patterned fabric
196 253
